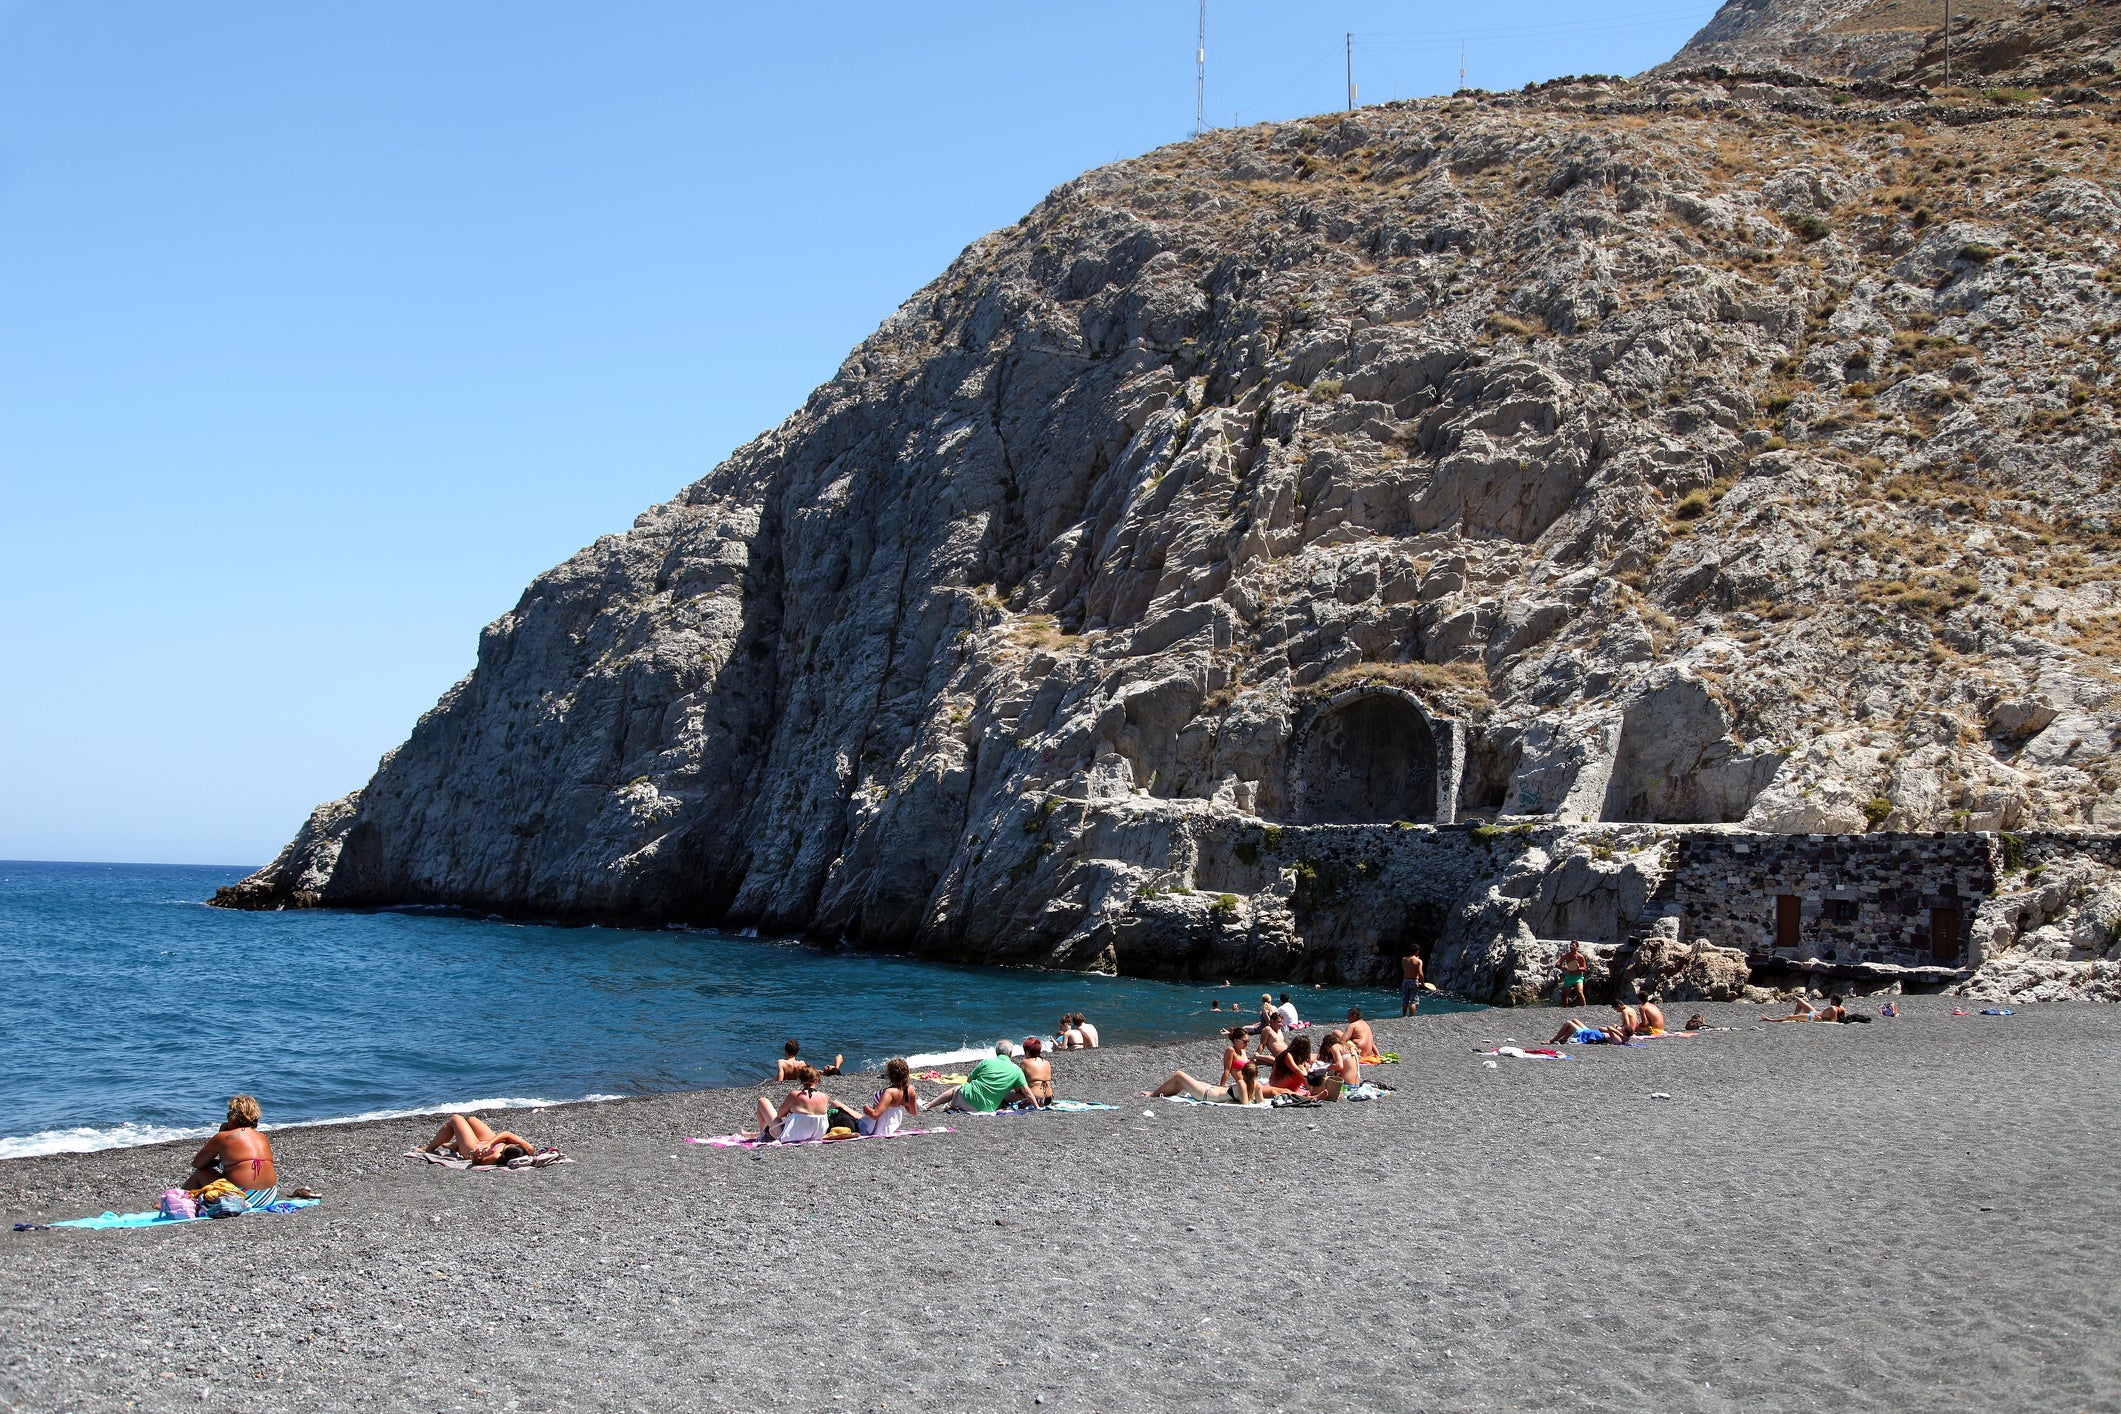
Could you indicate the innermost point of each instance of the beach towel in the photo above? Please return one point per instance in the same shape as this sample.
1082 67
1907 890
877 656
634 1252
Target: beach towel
1992 1011
155 1219
450 1159
1520 1053
1212 1104
941 1079
751 1140
1061 1107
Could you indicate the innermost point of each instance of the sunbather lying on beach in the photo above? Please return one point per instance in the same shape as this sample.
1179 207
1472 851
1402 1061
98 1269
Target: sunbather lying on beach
890 1106
1362 1038
994 1082
792 1062
1576 1033
1800 1010
1242 1089
803 1116
470 1137
240 1153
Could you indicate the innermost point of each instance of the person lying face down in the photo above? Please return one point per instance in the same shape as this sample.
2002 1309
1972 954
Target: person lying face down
803 1116
240 1153
470 1137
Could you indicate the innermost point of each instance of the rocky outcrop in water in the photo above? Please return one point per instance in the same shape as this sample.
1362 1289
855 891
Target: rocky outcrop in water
1263 511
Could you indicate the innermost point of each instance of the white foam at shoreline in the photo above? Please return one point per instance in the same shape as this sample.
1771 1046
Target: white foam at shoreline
87 1140
928 1060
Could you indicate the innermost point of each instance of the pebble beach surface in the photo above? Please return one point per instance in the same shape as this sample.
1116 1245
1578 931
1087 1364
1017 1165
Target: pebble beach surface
1918 1213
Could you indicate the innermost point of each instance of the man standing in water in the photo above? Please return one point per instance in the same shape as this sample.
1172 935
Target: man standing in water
1412 975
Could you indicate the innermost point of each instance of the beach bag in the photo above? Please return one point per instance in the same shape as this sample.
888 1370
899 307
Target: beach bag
177 1203
228 1205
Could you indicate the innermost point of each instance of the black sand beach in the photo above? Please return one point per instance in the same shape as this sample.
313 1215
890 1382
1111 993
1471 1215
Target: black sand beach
1918 1213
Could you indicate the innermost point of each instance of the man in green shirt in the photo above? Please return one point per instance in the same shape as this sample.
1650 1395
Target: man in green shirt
992 1083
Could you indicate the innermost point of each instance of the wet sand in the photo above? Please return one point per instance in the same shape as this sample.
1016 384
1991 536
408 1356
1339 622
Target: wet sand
1918 1213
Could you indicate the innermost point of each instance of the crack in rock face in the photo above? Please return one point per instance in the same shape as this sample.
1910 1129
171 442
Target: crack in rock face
1213 572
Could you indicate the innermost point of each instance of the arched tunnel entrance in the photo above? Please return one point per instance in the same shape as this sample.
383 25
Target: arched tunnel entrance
1373 757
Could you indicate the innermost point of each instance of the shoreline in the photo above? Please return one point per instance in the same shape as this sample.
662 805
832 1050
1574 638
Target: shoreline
1682 1223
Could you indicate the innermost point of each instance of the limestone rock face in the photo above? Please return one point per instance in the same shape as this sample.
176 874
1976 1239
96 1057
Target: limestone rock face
1607 456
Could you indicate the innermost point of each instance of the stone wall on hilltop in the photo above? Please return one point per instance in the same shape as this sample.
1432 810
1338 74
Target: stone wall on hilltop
1687 452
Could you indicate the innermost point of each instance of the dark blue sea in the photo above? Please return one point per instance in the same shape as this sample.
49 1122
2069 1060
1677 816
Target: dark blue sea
131 1011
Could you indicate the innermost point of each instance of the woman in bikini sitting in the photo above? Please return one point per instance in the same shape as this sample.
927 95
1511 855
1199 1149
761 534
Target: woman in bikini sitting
801 1117
240 1153
469 1137
1243 1088
1235 1040
883 1115
1291 1067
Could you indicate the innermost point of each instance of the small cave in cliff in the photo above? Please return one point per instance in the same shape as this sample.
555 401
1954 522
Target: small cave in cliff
1367 761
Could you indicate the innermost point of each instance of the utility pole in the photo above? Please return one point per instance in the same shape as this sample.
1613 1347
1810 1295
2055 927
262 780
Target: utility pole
1350 42
1200 75
1947 43
1461 65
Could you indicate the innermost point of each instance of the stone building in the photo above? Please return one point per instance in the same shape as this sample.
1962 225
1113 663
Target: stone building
1900 900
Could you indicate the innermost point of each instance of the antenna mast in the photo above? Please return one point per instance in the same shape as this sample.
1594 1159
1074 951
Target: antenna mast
1349 40
1461 65
1200 75
1947 43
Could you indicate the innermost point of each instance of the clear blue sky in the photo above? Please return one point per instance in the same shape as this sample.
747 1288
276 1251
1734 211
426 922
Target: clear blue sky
324 328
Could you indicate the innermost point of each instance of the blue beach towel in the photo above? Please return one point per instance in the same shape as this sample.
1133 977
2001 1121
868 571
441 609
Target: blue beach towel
155 1219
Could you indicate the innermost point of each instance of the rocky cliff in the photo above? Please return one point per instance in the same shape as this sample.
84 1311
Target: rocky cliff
1167 585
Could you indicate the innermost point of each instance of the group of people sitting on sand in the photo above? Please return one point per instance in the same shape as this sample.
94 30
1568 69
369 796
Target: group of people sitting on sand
1643 1019
1003 1080
1292 1073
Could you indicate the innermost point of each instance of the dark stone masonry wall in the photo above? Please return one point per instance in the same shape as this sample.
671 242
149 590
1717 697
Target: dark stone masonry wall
1899 899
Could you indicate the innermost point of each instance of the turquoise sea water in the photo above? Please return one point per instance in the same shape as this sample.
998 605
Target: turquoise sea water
132 1011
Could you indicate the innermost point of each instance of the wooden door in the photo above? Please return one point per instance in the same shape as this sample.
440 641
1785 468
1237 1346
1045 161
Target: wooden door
1944 935
1789 920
